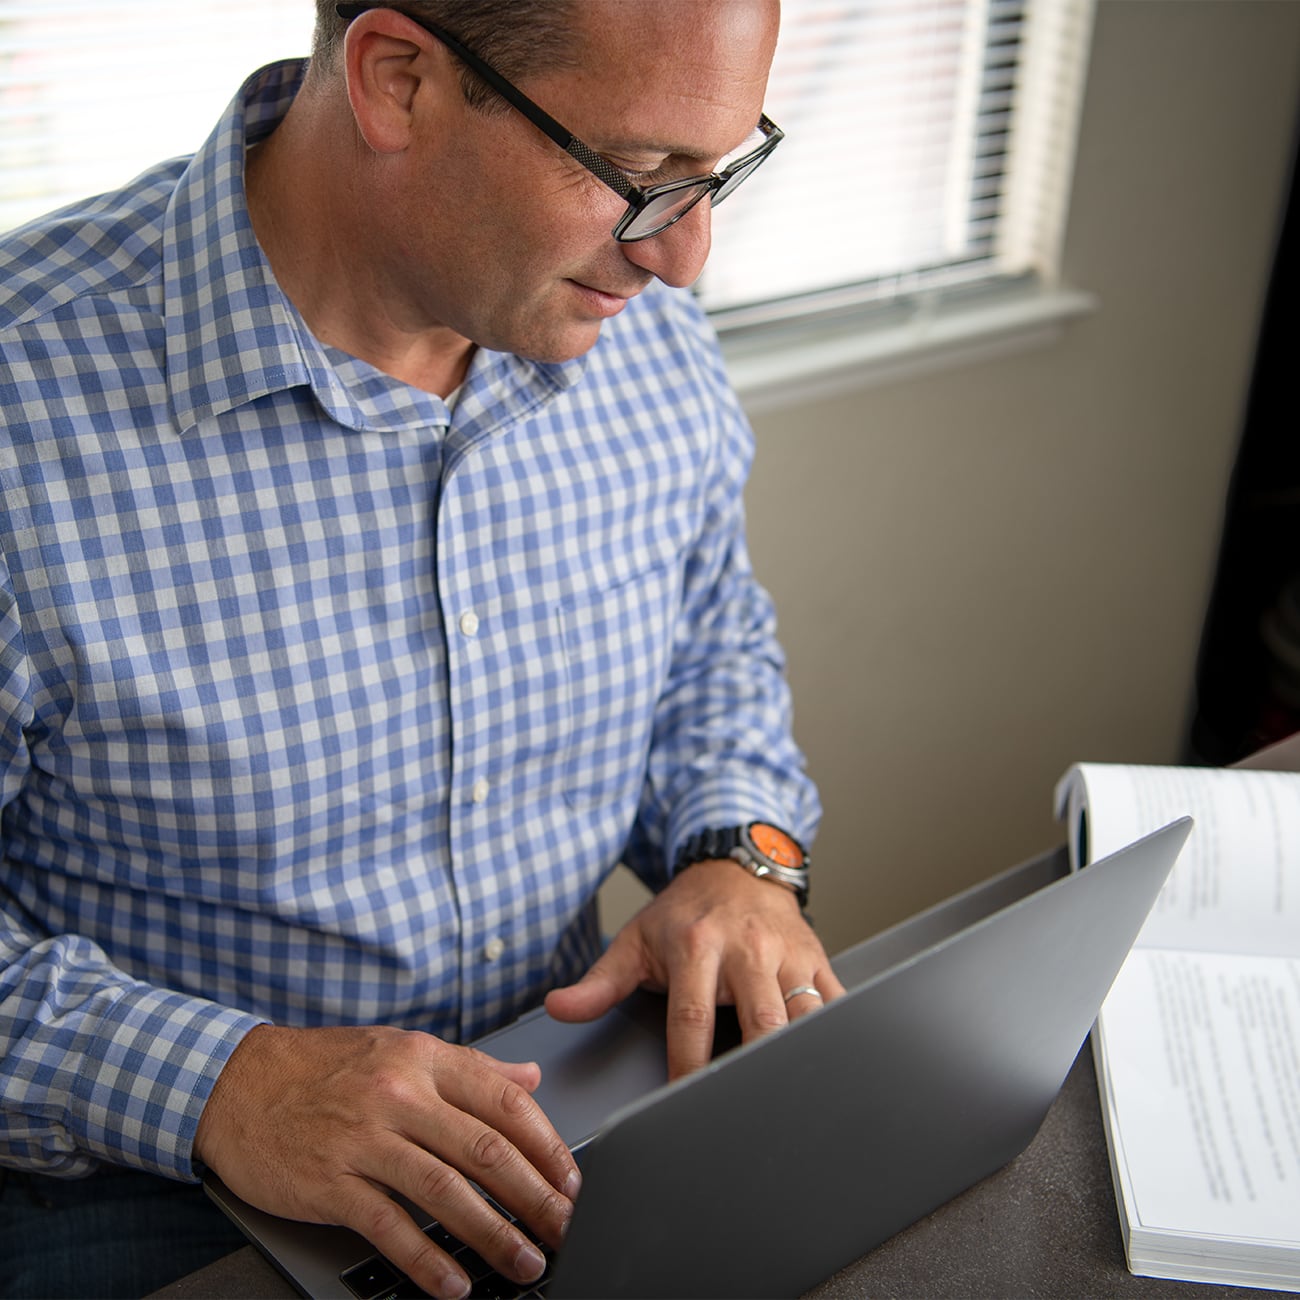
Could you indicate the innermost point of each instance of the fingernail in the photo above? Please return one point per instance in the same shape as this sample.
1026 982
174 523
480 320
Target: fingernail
572 1185
455 1287
530 1263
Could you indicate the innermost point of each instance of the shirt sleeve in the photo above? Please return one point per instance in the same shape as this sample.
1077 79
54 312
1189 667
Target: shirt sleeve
94 1065
723 751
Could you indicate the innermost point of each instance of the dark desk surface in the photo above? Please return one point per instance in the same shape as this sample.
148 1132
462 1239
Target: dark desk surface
1045 1225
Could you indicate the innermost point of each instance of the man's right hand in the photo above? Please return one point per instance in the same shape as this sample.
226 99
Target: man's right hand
315 1124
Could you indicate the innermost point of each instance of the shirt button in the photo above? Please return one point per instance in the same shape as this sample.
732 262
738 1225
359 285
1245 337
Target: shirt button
493 949
480 791
469 623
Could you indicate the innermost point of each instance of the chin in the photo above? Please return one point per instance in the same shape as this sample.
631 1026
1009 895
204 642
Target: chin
556 349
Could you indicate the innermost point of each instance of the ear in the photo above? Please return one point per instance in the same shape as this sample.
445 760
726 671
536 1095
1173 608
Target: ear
392 66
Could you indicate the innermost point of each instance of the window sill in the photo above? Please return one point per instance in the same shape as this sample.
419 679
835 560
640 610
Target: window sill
791 364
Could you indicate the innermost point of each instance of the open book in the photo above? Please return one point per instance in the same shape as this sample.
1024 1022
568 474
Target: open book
1198 1043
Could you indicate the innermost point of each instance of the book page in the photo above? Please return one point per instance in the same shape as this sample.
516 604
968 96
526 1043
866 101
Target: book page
1236 884
1202 1057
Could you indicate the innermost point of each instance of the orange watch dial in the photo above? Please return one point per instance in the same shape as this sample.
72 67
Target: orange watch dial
776 845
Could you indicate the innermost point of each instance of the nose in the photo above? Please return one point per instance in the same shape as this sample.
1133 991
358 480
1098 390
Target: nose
676 255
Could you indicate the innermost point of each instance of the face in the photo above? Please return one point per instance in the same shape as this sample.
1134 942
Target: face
505 240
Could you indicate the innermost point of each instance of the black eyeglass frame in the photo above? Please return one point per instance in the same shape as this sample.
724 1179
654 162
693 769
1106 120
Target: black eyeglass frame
717 185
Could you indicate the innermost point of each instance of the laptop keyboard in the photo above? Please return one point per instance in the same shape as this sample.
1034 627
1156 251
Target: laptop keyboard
376 1279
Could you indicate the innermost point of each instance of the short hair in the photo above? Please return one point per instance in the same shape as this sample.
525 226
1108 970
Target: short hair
517 37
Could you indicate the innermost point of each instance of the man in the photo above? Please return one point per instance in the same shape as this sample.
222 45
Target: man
374 582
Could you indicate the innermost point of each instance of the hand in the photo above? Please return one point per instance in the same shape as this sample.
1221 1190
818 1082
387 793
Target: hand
715 936
314 1124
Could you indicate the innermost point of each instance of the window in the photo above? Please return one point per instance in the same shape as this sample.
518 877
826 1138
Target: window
929 142
94 91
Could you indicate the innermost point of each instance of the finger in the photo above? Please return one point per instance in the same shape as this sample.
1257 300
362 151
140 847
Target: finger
802 998
692 1010
756 986
829 984
527 1074
442 1184
811 994
501 1138
374 1214
777 981
619 971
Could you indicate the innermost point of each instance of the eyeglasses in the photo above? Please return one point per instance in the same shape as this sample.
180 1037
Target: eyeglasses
650 209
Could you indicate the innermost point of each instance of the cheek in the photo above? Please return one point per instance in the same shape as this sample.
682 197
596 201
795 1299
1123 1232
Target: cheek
536 255
508 246
569 222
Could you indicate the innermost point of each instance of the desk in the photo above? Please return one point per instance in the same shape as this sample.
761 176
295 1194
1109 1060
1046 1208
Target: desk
1046 1225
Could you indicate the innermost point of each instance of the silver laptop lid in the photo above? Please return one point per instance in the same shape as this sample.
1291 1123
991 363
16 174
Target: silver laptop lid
790 1158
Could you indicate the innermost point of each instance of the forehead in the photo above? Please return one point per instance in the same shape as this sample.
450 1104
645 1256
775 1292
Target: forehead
685 75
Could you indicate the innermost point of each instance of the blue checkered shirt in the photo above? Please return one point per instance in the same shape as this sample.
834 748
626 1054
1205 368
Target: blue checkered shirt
321 702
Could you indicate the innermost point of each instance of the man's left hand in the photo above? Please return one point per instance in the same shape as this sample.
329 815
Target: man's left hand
715 936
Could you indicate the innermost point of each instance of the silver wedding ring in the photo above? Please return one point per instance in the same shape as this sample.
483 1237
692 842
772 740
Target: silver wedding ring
810 989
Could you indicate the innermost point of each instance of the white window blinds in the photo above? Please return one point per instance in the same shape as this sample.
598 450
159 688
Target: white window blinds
929 142
94 91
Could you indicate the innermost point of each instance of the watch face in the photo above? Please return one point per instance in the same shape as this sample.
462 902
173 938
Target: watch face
776 845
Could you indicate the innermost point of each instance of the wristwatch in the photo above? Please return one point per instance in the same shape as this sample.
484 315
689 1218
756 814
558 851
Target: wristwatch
762 849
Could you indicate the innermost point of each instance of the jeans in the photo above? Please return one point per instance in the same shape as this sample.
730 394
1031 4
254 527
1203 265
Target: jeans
118 1232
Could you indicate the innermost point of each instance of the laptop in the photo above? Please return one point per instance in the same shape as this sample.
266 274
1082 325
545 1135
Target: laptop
786 1159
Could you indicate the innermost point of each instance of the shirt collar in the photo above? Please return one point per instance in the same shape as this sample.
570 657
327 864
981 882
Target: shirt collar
232 334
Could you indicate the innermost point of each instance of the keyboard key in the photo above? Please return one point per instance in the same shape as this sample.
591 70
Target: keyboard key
372 1277
473 1263
439 1235
496 1287
406 1290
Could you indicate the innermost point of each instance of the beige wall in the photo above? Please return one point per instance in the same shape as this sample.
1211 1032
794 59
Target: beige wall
986 574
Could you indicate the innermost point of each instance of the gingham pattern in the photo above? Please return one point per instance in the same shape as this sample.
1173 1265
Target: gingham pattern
320 703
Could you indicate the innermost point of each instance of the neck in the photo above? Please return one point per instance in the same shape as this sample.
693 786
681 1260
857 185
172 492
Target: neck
307 204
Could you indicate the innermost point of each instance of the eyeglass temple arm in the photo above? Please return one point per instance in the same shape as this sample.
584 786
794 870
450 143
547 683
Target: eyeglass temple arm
539 117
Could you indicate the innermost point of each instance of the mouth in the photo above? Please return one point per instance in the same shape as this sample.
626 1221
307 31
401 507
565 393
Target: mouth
602 302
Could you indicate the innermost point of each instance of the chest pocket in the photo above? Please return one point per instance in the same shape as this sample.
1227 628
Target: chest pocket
616 646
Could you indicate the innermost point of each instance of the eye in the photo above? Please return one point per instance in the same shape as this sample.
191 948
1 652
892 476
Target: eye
646 176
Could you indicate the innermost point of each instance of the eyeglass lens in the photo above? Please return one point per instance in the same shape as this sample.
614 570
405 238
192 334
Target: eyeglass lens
663 209
736 177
